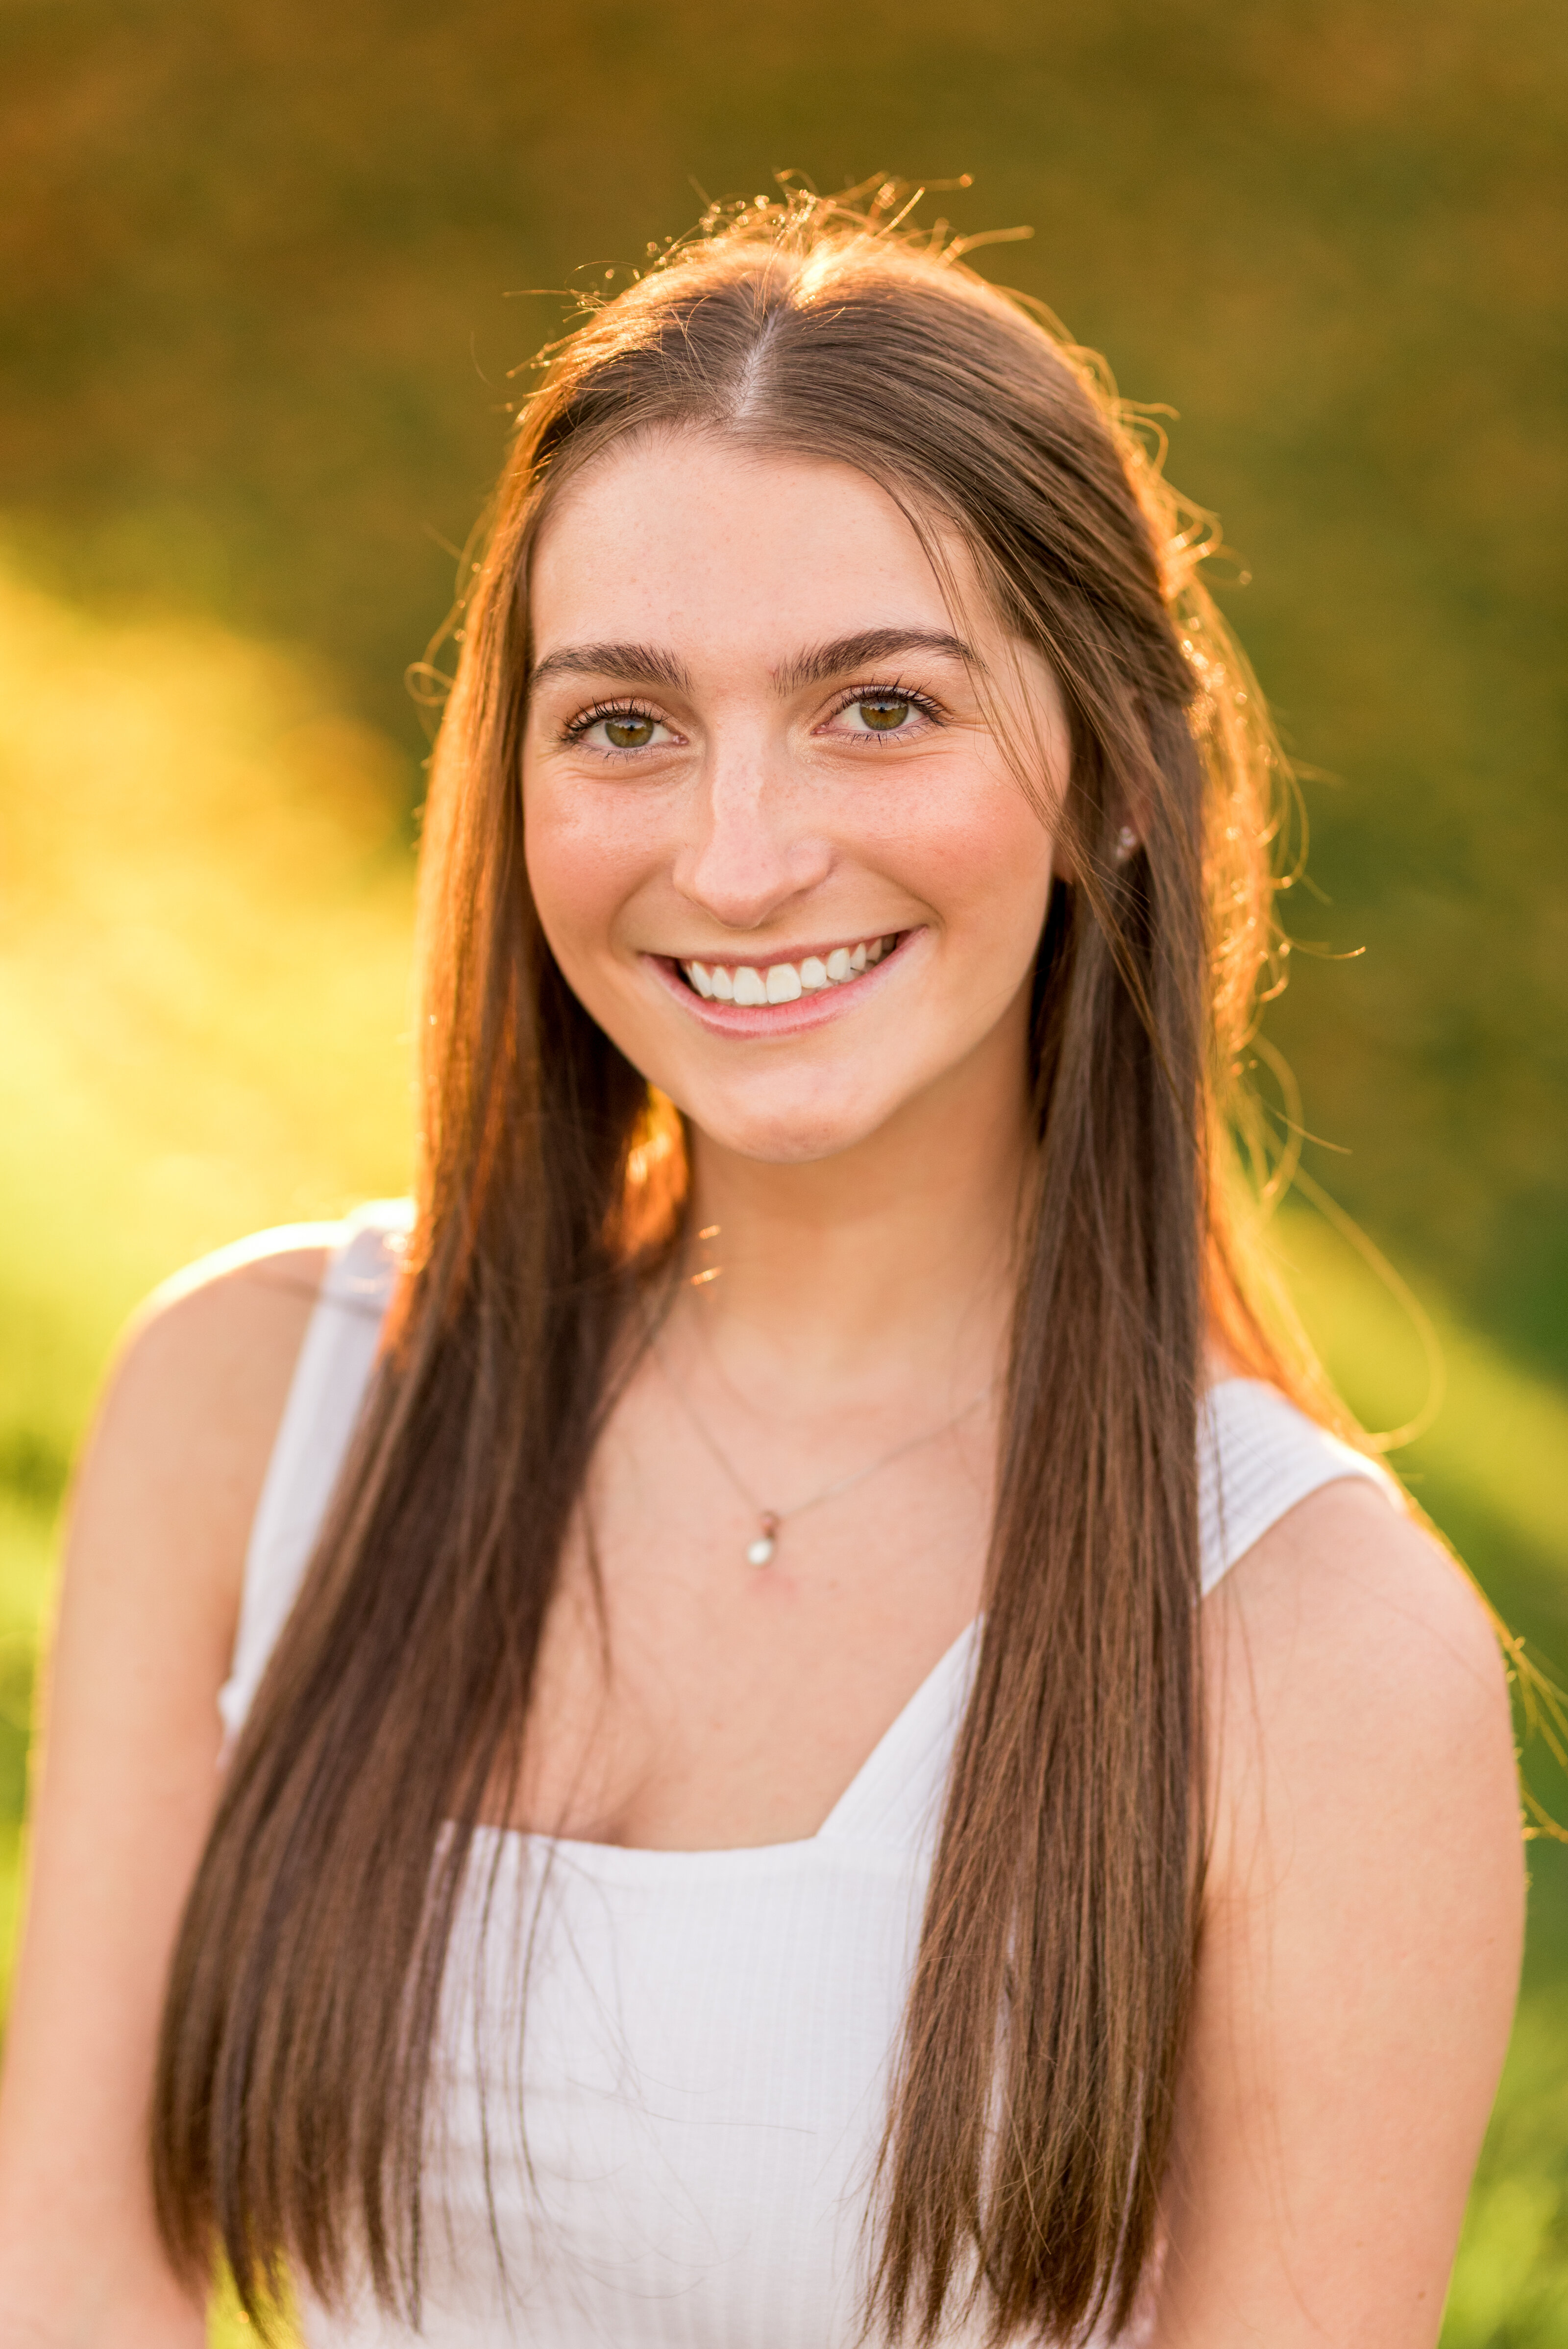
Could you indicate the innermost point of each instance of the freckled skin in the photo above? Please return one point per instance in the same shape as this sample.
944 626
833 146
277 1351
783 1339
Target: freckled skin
759 823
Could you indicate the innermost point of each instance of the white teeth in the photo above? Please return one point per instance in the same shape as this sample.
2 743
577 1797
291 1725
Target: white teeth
785 981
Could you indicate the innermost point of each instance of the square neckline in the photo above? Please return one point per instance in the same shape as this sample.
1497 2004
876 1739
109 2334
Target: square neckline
892 1794
906 1739
851 1825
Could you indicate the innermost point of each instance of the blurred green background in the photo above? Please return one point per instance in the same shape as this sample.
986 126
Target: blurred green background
268 275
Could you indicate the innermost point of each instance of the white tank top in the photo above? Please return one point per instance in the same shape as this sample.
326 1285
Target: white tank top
702 2081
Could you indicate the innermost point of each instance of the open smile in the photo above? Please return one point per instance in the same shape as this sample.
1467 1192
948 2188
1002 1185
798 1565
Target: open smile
785 982
780 996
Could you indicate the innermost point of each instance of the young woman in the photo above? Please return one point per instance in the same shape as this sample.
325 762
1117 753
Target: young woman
823 1742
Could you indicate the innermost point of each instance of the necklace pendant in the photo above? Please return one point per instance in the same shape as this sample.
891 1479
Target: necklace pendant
759 1552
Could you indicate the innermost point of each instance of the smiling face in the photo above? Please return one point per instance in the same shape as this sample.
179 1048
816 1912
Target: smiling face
774 843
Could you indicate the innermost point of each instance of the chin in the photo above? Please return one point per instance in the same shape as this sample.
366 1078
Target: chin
787 1138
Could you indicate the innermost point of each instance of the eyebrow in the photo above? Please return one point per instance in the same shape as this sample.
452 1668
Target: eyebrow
640 663
651 665
828 661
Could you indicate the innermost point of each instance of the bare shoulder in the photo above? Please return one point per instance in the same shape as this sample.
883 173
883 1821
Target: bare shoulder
191 1407
1363 1907
259 1292
1357 1692
1346 1602
159 1526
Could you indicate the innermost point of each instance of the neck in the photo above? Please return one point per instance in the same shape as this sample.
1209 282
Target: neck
889 1266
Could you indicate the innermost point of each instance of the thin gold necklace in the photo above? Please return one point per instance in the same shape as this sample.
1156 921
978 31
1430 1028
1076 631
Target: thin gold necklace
760 1549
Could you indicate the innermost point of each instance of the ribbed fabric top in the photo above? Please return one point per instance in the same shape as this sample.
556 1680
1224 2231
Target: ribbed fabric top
704 2074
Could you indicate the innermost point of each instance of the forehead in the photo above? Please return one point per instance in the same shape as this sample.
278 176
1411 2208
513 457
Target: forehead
692 537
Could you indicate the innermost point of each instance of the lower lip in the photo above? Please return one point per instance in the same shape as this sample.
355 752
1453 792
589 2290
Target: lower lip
795 1019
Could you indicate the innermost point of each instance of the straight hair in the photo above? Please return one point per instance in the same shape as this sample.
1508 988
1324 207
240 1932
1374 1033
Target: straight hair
1031 2114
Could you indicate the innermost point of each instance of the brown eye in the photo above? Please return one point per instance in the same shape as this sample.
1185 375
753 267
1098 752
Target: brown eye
628 731
882 713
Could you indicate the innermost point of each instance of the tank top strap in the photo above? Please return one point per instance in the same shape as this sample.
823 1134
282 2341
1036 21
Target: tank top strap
1258 1455
324 1399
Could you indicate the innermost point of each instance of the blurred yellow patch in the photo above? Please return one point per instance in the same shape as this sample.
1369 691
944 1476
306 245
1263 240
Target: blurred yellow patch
204 923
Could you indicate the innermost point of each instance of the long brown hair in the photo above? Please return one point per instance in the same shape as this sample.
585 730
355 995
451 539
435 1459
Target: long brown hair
1032 2112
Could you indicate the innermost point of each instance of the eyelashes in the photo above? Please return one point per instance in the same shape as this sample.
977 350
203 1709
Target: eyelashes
890 702
628 713
886 697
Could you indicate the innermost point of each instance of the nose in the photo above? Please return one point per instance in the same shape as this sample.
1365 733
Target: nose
754 845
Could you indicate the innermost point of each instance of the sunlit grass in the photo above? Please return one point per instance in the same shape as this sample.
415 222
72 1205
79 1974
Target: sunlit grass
1499 1432
202 975
203 1007
1510 2287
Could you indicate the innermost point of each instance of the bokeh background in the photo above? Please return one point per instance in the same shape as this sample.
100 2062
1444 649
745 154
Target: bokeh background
269 275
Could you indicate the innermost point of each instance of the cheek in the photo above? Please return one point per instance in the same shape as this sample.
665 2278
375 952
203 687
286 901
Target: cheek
582 866
981 857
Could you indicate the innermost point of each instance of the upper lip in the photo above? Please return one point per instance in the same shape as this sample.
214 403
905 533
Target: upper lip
764 958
